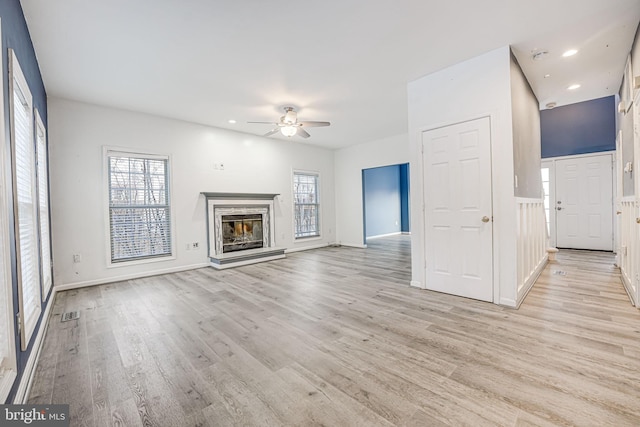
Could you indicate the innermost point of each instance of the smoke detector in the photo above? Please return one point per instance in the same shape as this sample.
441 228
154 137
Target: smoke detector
551 105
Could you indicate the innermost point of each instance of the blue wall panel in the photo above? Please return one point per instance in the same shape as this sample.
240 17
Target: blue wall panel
381 187
404 198
585 127
15 35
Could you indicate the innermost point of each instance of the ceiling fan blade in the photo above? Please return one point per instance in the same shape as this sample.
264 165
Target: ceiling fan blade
265 123
272 131
303 133
314 124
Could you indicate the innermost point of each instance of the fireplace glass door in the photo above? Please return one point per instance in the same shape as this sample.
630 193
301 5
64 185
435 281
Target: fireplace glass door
240 232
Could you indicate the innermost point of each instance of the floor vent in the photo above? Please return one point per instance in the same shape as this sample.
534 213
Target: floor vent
70 315
559 273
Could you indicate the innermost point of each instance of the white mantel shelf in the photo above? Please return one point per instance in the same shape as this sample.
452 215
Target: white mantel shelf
250 196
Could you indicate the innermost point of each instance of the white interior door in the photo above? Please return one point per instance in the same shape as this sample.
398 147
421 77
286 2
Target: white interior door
457 194
584 203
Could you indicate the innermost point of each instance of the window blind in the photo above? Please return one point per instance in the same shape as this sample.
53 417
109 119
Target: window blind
306 205
43 206
139 208
25 187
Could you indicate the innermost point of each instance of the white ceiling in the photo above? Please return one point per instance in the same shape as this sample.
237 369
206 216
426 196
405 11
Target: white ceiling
348 62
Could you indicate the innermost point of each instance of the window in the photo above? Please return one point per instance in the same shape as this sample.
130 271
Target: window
545 188
306 205
24 165
43 205
7 348
139 208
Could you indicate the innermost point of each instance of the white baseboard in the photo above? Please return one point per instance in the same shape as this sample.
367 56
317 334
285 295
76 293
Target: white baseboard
27 376
76 285
528 284
416 284
508 302
354 245
628 288
306 248
397 233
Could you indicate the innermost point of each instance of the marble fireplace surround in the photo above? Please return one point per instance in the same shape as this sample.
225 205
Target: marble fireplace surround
220 204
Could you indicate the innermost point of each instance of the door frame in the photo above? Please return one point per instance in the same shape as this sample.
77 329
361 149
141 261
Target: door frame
551 161
495 272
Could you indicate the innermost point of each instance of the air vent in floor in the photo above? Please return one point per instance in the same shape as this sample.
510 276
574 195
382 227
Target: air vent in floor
559 273
70 315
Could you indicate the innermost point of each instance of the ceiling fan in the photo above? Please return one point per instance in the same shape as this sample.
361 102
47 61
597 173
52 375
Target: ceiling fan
289 124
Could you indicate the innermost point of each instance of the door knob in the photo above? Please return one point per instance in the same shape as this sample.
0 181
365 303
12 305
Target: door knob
618 212
559 208
638 220
485 219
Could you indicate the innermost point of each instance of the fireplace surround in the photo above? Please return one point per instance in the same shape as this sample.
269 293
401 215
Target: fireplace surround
241 229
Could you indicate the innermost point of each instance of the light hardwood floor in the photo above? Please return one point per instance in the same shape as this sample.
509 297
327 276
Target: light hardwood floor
335 337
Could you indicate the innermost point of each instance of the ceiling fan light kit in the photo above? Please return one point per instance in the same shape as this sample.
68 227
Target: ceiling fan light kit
288 130
288 125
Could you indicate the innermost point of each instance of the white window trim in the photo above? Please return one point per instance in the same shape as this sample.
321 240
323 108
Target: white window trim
17 76
293 207
8 377
46 285
108 151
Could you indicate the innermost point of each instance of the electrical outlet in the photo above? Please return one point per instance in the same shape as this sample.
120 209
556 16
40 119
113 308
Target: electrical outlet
77 258
195 245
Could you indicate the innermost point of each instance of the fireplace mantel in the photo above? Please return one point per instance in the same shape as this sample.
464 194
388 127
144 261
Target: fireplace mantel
245 196
226 205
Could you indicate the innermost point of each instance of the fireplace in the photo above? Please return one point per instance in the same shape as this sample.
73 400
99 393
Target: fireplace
241 229
240 232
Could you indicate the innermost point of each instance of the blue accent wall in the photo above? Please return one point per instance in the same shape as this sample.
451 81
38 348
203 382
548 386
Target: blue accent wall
386 200
404 198
585 127
15 35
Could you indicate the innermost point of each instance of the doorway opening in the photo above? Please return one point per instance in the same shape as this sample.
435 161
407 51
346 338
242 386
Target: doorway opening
385 201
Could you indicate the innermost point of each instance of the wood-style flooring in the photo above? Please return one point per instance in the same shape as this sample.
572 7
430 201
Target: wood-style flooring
336 337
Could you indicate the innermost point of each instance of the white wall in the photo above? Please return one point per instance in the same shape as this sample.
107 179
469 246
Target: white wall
349 163
252 164
526 135
475 88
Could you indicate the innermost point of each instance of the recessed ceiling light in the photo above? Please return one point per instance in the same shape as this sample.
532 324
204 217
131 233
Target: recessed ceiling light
573 87
570 52
233 122
546 76
551 105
